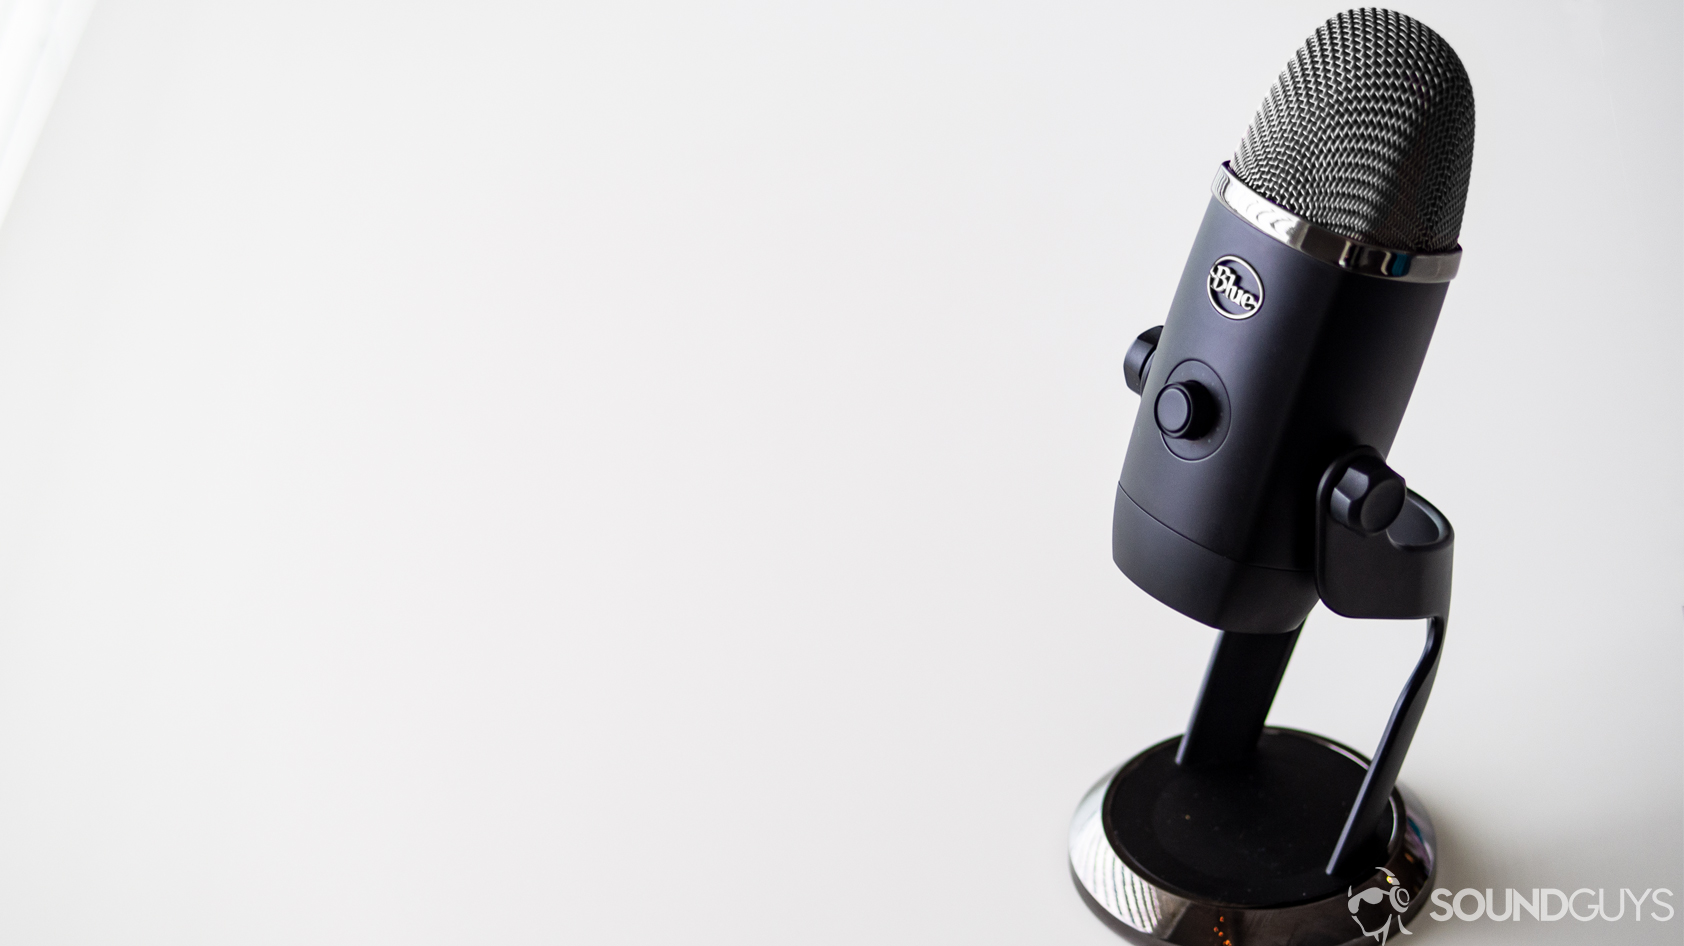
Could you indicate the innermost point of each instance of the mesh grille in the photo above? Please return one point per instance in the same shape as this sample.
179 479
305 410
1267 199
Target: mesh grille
1369 133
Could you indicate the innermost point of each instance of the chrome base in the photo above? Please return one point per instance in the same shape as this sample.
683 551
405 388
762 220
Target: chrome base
1123 895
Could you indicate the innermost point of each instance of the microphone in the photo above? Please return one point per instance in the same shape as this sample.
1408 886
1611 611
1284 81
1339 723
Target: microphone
1301 320
1255 484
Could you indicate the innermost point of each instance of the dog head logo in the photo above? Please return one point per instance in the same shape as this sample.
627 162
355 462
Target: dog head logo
1392 893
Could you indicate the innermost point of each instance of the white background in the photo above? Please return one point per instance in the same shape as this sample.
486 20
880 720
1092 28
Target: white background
635 473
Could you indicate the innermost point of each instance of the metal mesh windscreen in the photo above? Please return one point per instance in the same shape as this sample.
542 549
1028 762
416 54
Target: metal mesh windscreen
1369 133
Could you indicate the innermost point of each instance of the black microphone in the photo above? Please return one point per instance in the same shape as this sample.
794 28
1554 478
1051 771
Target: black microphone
1255 481
1301 320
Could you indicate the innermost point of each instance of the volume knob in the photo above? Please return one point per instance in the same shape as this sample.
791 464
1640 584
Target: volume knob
1185 410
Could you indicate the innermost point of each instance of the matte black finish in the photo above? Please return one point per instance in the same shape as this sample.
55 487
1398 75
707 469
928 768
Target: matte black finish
1239 687
1185 410
1257 835
1327 363
1401 573
1256 483
1367 497
1203 585
1209 427
1138 360
1377 785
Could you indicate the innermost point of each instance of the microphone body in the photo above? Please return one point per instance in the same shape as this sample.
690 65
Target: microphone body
1306 360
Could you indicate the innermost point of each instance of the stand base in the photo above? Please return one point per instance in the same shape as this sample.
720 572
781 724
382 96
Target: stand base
1165 854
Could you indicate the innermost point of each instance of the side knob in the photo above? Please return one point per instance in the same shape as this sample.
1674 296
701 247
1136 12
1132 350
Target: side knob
1368 496
1138 361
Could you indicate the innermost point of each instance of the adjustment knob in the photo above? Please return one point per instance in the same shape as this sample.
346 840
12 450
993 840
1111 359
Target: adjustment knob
1138 361
1368 496
1185 410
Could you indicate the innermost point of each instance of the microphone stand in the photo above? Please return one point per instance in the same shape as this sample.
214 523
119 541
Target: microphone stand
1400 573
1238 793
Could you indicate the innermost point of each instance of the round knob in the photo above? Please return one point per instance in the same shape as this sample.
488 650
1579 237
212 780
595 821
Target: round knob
1138 360
1185 410
1368 496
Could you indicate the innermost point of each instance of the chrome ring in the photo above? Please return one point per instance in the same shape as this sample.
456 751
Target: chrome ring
1324 244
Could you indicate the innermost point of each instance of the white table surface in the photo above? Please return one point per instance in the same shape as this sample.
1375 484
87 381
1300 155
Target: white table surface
634 473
